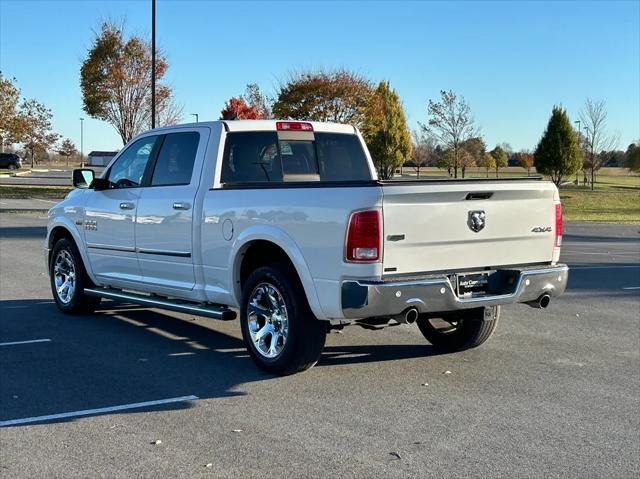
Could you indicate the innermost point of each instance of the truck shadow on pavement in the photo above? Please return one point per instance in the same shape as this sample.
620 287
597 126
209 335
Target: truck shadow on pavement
124 354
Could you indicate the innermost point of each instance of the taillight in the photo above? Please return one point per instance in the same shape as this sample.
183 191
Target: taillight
558 241
363 237
293 126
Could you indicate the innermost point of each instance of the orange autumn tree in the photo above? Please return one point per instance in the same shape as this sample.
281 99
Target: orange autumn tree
238 109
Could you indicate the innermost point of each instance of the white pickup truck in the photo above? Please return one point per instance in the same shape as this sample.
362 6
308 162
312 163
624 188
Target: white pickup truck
287 223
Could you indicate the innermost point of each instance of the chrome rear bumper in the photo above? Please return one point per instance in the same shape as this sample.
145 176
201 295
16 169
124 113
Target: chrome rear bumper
369 299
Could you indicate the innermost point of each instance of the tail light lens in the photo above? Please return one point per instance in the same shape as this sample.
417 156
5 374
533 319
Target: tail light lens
363 237
558 241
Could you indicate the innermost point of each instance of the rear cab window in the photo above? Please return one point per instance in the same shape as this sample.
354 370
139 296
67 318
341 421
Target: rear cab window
293 157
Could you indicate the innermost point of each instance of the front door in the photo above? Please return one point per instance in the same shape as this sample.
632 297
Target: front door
164 226
110 215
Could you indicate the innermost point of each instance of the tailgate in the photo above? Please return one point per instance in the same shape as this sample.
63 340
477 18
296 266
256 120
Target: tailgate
467 225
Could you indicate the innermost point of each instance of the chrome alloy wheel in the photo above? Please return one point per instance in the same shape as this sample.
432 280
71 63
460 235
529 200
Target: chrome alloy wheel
268 320
64 275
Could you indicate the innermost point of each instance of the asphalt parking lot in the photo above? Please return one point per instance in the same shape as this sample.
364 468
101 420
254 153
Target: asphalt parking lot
555 393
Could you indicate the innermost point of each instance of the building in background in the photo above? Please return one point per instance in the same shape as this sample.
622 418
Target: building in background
100 158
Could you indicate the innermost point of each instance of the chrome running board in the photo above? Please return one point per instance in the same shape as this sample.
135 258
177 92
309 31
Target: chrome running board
210 311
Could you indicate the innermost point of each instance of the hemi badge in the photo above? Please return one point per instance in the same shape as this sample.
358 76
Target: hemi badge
395 237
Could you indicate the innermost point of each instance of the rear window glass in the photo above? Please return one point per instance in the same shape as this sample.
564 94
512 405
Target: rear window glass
251 157
175 160
341 158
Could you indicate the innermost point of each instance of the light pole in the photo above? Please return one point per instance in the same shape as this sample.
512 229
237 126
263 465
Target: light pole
588 144
579 147
153 64
196 115
81 142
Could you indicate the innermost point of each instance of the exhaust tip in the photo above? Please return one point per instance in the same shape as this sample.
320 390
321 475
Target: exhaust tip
541 303
411 316
544 300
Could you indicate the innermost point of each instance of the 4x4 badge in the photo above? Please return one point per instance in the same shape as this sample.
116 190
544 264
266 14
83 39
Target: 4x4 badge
477 220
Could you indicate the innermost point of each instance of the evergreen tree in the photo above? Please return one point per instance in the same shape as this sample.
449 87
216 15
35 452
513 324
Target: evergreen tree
557 154
385 131
633 157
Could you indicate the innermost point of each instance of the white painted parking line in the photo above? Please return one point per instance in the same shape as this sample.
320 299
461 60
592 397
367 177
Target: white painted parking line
31 341
585 252
89 412
632 287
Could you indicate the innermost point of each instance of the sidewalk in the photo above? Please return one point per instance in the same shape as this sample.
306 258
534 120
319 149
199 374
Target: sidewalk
29 205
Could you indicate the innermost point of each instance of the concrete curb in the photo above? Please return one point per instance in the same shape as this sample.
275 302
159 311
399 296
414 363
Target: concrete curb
24 210
19 173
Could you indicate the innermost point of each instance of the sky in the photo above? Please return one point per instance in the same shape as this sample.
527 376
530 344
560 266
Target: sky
511 60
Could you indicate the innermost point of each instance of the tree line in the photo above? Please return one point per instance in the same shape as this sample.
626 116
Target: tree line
449 139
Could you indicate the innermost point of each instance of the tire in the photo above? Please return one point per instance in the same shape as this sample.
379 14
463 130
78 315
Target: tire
12 166
462 330
274 306
66 267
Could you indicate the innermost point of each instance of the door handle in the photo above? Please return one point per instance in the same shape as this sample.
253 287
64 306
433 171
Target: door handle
181 206
125 205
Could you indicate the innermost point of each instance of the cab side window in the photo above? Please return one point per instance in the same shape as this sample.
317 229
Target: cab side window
174 165
129 168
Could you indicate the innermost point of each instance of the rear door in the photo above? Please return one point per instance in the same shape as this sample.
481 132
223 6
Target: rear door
466 225
164 225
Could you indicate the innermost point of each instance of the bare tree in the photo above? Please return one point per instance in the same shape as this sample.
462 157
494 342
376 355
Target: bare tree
254 97
422 152
67 149
451 121
596 138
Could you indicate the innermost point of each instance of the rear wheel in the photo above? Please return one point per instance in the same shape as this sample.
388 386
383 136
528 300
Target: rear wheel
279 330
69 278
460 330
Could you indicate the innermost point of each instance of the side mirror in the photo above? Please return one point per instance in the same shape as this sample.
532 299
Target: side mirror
83 178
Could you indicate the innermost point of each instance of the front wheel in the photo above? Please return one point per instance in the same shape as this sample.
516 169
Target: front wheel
279 330
69 278
12 166
460 330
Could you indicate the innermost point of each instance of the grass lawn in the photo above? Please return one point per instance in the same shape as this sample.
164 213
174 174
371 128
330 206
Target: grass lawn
38 192
615 199
607 205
